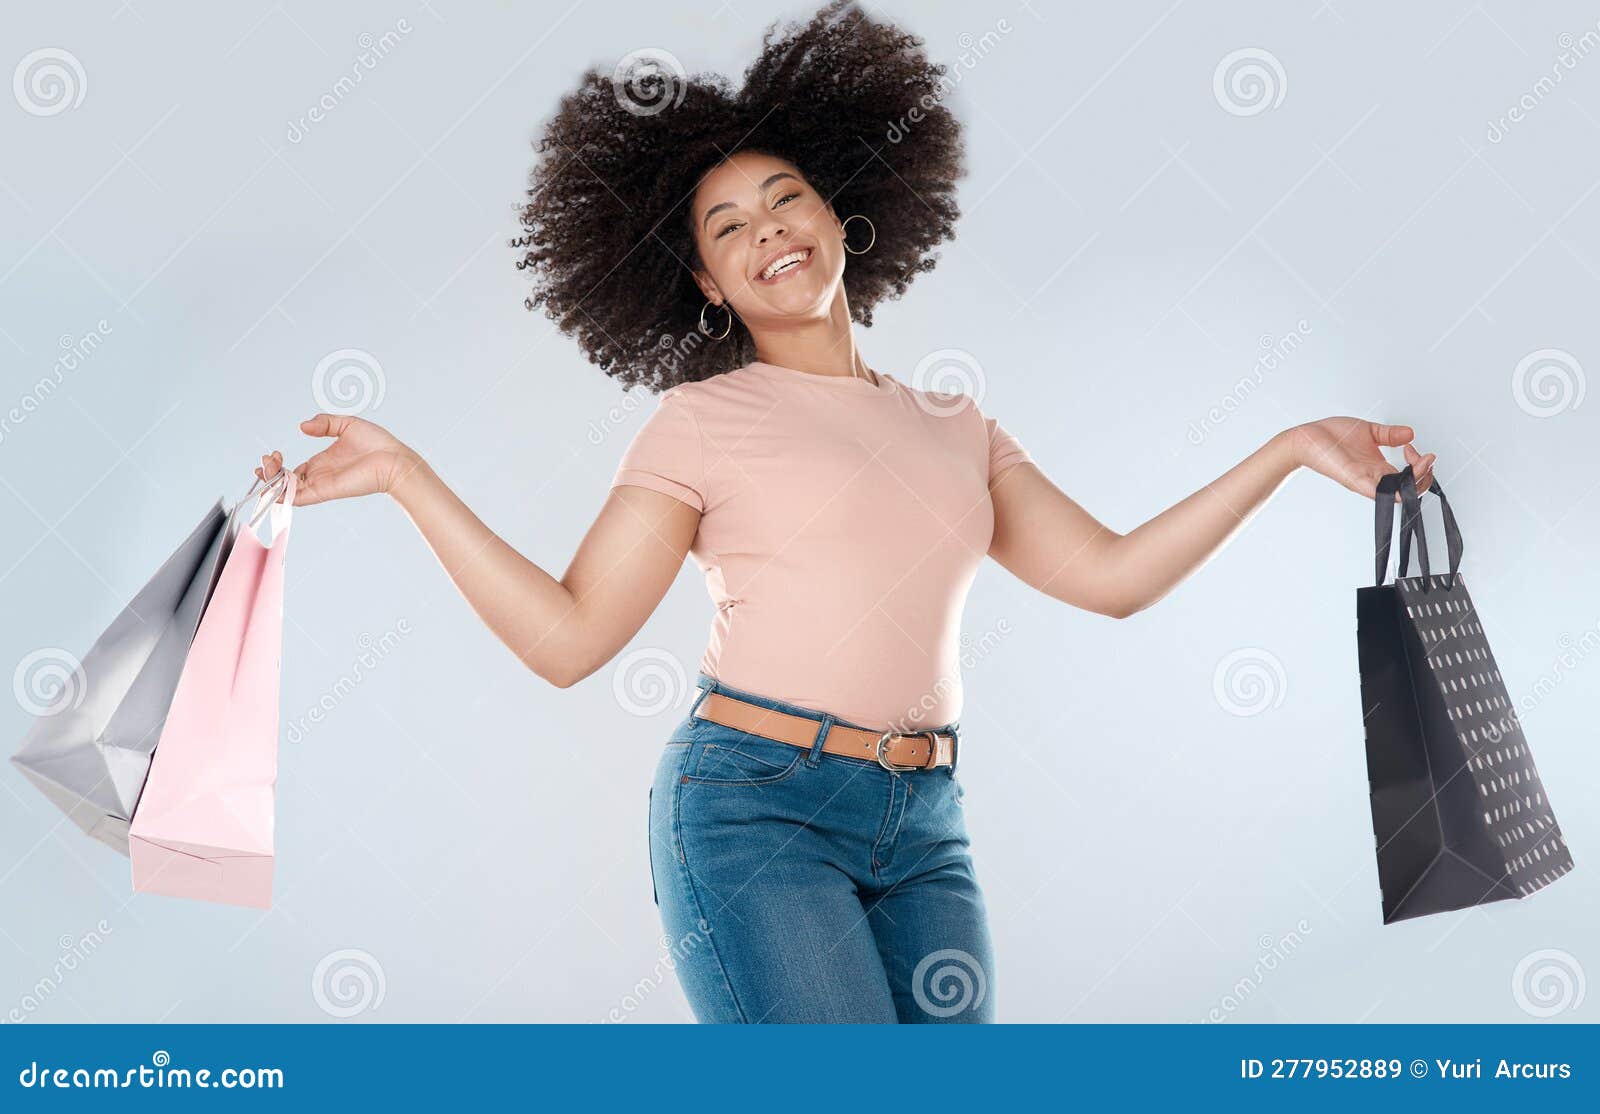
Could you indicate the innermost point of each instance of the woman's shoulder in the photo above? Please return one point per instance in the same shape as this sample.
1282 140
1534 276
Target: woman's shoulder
726 392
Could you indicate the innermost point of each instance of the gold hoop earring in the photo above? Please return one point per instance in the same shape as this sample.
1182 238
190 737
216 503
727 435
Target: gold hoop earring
726 330
870 225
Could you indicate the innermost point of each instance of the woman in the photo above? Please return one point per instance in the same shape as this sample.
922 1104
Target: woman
808 850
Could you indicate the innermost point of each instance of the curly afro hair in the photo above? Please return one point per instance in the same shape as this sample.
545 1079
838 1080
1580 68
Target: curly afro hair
852 102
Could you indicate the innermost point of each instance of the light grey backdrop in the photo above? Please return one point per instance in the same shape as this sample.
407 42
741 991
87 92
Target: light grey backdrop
1169 813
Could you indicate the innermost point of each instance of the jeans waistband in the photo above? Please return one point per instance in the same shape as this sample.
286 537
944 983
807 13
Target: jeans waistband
710 684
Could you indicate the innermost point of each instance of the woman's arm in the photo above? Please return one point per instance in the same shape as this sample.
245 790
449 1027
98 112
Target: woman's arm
1051 543
563 629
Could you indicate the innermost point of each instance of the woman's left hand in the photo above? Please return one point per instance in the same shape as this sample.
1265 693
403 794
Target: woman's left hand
1348 450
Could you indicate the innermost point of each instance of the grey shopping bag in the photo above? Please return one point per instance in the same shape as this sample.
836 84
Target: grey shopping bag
90 751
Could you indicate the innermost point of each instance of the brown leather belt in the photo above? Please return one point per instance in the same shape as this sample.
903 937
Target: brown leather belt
893 750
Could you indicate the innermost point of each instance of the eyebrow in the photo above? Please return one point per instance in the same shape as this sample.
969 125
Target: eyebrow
729 205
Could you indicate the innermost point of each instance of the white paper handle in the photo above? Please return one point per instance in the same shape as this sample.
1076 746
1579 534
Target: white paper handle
280 513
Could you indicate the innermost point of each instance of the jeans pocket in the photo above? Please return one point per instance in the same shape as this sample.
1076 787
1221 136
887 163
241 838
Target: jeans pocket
732 757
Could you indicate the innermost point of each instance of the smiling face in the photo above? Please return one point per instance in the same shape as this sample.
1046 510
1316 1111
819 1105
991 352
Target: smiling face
753 212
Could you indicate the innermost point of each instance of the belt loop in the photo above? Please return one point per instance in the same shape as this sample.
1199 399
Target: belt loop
955 749
814 755
704 692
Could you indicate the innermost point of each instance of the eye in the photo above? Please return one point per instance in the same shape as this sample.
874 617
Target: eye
737 224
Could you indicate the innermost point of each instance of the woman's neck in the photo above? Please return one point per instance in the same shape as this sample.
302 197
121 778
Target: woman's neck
821 347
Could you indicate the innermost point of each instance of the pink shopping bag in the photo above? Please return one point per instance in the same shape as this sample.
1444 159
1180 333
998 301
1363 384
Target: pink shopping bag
203 826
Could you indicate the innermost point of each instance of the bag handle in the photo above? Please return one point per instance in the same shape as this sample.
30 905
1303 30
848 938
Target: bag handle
266 501
1405 482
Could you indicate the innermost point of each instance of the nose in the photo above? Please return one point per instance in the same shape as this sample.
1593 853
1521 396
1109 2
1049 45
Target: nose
773 231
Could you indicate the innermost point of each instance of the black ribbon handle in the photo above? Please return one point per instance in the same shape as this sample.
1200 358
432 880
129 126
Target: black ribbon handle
1405 482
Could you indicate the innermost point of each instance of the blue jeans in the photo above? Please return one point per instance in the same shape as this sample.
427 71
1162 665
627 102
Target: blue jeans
799 886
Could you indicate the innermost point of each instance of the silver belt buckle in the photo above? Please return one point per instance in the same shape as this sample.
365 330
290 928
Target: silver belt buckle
883 741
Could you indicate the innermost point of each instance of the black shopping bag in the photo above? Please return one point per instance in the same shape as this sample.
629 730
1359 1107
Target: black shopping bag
1458 811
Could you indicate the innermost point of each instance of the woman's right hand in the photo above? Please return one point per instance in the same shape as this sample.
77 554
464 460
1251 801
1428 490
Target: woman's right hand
364 459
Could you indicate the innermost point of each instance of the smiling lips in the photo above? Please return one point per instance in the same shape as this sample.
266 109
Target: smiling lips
784 265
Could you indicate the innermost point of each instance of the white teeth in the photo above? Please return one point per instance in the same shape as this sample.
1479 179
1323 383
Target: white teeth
783 262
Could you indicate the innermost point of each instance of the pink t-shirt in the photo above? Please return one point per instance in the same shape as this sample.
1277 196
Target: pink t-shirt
842 524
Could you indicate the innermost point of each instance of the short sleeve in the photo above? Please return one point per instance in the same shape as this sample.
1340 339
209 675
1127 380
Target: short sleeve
1004 449
666 454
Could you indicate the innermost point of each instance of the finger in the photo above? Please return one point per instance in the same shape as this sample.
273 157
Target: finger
1413 457
1424 472
1391 434
326 425
1378 475
305 488
269 466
